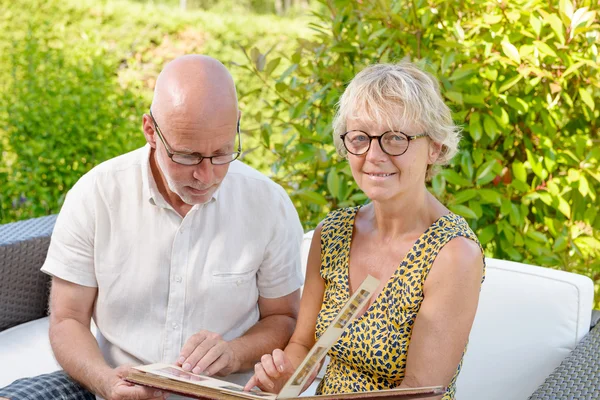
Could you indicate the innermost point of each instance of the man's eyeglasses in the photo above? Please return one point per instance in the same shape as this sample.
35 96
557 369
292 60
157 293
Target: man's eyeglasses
393 143
185 158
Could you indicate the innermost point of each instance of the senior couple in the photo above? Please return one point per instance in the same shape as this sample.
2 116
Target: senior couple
182 254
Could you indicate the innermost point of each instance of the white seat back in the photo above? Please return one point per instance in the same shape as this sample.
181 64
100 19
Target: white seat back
528 320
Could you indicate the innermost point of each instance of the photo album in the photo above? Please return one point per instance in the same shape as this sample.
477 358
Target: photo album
173 379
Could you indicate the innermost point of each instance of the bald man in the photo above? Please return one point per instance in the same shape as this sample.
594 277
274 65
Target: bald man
179 252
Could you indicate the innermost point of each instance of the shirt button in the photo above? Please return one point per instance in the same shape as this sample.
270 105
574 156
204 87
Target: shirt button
175 326
239 282
178 279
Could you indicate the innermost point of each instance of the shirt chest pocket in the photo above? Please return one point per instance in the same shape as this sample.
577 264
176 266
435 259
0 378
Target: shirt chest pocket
234 278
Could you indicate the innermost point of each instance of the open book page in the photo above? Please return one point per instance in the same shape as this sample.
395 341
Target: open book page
191 384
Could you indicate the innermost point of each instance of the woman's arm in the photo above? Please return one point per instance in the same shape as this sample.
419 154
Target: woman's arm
442 326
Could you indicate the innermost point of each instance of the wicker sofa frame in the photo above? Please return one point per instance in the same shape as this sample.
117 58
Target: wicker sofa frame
24 297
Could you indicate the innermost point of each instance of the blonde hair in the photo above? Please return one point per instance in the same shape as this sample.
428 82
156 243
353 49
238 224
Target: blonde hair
389 93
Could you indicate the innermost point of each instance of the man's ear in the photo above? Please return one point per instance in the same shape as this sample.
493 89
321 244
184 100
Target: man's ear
148 128
435 149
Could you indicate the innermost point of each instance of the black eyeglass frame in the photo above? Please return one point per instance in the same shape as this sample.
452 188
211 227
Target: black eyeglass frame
201 158
409 138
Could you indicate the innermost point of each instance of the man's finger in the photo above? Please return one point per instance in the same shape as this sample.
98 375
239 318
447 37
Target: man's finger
138 393
190 345
219 364
199 352
191 363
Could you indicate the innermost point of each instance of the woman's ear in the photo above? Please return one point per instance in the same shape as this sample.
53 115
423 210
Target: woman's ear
435 149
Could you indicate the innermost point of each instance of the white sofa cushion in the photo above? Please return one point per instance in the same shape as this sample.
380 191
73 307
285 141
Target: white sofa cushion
25 351
528 320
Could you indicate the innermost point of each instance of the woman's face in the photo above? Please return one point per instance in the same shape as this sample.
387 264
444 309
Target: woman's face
383 177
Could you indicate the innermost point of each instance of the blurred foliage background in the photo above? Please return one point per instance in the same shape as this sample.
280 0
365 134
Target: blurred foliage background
521 77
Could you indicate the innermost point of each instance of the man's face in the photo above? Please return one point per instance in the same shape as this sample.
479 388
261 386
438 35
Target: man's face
194 184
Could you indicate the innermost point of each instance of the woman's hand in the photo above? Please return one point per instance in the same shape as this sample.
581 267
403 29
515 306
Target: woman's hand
271 373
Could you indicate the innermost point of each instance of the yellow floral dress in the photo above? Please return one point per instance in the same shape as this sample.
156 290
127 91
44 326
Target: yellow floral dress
371 353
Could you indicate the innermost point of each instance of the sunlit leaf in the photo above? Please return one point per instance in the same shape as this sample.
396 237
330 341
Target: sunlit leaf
510 83
490 127
475 126
511 51
587 98
462 211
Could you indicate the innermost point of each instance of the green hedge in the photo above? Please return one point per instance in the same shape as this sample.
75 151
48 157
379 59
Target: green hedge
76 76
522 79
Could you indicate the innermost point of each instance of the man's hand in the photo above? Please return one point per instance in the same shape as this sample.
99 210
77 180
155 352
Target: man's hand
116 388
207 352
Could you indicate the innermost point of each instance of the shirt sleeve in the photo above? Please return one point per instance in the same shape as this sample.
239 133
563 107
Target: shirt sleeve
281 273
71 252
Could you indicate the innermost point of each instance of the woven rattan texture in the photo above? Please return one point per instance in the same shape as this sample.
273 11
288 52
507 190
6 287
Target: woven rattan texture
23 288
27 229
578 376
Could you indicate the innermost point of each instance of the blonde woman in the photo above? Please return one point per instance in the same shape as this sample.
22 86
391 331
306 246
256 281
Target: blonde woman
394 129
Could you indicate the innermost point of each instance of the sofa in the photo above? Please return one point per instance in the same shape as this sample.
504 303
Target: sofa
535 335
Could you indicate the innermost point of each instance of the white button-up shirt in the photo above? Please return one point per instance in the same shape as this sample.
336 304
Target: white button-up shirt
160 277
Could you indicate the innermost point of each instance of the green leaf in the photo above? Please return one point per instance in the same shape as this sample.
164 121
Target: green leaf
455 97
584 186
474 98
464 196
511 51
566 7
492 19
560 244
510 83
463 72
287 72
490 127
587 98
536 24
512 253
486 172
564 207
462 211
438 185
475 126
466 165
475 206
537 236
454 178
486 234
333 183
519 185
556 25
519 171
272 65
313 197
590 215
545 49
490 196
518 104
536 165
